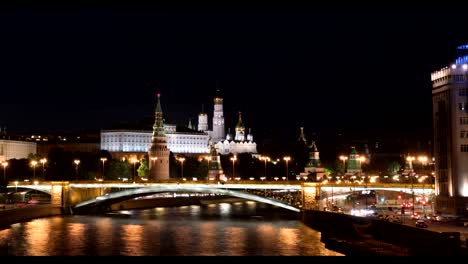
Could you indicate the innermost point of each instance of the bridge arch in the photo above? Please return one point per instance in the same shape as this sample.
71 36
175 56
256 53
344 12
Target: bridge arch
116 197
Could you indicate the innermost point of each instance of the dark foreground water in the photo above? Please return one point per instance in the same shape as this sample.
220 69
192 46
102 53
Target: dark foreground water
226 229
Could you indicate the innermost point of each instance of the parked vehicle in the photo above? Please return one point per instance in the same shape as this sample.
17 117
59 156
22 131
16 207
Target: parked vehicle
422 224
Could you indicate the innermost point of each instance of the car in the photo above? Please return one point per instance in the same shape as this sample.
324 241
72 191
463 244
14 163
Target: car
422 224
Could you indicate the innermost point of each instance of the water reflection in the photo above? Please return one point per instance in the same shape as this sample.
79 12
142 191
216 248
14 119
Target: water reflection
240 229
37 237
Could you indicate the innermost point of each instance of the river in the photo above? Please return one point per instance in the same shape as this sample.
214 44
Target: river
225 229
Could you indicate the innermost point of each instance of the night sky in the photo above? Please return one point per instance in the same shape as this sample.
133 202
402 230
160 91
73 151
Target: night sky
326 68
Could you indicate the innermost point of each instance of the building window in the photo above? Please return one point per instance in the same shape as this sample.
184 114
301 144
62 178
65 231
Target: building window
464 134
463 107
464 120
464 148
459 78
463 91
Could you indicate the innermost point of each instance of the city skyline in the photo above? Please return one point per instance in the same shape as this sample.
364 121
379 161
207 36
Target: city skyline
319 67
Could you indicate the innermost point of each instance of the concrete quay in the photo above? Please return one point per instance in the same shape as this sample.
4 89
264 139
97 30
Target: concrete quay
361 236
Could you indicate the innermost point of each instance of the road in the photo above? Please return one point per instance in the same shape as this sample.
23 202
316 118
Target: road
443 227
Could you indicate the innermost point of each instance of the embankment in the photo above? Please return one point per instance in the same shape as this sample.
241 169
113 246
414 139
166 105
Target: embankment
17 215
352 235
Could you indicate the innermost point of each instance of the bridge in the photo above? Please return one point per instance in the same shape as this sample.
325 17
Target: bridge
311 194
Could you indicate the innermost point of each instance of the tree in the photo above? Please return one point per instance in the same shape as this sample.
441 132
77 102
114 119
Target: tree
394 167
143 169
118 169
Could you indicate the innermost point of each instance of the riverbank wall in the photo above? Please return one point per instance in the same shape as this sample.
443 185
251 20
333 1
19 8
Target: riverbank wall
352 235
22 214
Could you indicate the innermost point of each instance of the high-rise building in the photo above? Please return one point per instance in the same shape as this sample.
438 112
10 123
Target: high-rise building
159 153
450 121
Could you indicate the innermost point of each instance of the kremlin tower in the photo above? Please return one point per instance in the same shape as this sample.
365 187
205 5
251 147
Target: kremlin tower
159 153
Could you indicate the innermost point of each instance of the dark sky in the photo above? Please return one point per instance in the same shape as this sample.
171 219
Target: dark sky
327 68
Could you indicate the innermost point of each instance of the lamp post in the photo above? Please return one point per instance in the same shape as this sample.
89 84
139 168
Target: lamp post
34 163
331 182
208 159
233 161
134 161
287 159
77 162
410 161
182 166
364 178
344 158
4 164
265 159
43 160
103 161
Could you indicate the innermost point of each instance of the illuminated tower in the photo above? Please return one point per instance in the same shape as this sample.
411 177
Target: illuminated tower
218 119
215 171
354 165
313 165
159 153
202 121
450 123
240 130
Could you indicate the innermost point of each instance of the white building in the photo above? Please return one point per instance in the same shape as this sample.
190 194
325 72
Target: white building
241 142
15 149
450 122
139 141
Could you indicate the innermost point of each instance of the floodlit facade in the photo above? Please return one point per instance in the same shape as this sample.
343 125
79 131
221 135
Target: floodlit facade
450 120
14 149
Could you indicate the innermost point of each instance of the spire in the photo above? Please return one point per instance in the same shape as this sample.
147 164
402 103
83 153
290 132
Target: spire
190 123
313 147
158 127
240 130
314 157
240 124
218 98
302 136
158 105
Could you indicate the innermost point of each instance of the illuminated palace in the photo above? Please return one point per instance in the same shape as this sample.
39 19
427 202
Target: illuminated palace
450 121
136 143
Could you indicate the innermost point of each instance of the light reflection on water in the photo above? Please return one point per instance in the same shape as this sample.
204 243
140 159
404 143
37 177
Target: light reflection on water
238 229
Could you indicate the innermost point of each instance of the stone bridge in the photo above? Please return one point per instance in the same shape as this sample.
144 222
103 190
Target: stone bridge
82 194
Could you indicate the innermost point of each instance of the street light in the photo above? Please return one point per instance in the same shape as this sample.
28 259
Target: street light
344 158
208 158
44 160
103 160
4 164
330 180
134 161
233 161
287 159
182 166
410 160
361 160
77 162
265 159
34 163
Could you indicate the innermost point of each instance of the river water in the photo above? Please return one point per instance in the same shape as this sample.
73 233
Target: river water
225 229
